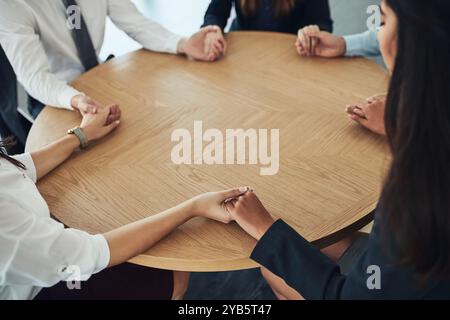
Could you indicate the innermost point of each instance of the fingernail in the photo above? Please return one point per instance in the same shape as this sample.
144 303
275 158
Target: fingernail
118 122
243 189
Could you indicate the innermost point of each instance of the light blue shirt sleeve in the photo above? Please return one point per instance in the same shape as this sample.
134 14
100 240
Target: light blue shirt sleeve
363 44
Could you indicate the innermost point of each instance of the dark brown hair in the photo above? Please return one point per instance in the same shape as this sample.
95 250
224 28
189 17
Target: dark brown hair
282 7
4 144
415 202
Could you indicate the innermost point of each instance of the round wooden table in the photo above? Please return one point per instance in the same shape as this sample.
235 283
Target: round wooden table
330 168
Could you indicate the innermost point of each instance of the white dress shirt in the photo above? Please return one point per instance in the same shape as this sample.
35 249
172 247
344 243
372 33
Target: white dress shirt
38 42
36 251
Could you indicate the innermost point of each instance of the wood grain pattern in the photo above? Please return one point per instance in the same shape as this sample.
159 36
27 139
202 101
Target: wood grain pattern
330 169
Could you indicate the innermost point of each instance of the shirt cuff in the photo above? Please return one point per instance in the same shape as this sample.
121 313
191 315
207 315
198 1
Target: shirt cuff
362 44
353 44
103 254
260 252
65 97
172 43
27 160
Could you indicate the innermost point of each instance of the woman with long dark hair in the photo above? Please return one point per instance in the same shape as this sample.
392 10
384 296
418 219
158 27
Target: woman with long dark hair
287 16
39 255
407 254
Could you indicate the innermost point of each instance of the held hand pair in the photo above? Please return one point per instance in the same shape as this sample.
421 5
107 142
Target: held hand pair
250 214
206 45
240 205
311 41
96 125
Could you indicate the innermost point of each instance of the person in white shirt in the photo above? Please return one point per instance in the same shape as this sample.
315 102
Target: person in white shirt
38 253
47 48
313 42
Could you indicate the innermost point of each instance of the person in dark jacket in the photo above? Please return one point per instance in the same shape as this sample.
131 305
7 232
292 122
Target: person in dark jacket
11 122
286 16
407 254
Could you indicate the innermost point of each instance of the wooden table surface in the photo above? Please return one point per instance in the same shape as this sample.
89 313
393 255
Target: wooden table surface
330 168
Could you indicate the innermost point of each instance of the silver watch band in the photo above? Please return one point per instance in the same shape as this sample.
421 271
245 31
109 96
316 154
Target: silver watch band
78 132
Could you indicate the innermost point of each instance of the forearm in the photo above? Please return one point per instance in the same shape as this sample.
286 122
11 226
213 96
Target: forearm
135 238
317 13
51 156
26 54
301 265
37 86
150 34
218 13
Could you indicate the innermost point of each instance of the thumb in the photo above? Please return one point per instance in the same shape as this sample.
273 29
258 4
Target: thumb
233 193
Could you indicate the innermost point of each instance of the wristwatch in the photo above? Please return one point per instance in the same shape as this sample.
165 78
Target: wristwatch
78 132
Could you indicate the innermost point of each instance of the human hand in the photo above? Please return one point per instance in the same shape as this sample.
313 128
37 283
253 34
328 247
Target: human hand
215 43
279 287
98 125
313 42
211 205
248 211
85 104
370 114
196 46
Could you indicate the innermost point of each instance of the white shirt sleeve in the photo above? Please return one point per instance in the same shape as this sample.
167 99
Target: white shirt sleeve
148 33
30 169
26 54
38 251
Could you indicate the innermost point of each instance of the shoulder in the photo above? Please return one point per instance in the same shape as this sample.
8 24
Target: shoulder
9 7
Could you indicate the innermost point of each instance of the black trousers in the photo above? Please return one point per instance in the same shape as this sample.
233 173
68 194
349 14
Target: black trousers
123 282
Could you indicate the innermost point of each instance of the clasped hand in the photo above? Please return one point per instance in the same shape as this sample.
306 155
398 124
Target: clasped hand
98 120
240 205
208 44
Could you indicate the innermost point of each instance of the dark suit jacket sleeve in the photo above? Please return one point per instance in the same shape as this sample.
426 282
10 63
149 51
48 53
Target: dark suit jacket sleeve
218 13
10 120
285 253
316 12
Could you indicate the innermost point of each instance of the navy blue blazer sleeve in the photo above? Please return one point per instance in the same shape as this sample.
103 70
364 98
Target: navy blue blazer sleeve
288 255
218 13
316 12
306 269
